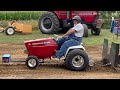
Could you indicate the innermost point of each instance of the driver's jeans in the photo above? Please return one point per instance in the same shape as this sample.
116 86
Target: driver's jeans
65 43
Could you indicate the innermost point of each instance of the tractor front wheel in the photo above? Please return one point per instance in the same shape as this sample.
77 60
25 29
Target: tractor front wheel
32 62
10 30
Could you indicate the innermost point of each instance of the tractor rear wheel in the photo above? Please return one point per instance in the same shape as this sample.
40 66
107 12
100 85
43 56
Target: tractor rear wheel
49 23
77 60
85 30
32 62
10 30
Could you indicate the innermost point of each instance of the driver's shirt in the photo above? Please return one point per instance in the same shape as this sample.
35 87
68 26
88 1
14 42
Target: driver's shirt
79 30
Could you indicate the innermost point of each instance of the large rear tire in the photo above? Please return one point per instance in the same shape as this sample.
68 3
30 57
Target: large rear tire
48 23
85 30
77 60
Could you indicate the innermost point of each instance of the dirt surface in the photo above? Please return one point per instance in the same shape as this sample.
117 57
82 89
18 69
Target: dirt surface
52 69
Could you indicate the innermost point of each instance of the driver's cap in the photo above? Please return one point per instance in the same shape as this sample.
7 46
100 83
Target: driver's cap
76 18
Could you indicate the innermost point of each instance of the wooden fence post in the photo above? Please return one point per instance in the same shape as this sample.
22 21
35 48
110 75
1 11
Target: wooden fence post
114 57
105 52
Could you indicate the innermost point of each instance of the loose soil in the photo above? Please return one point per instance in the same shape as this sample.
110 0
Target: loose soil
52 69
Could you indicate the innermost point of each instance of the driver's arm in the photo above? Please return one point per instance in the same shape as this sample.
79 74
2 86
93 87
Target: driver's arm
71 31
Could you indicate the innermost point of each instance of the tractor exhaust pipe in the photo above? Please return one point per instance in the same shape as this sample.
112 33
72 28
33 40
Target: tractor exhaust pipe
68 14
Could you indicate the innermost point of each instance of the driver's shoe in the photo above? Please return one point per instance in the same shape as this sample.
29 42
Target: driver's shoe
55 58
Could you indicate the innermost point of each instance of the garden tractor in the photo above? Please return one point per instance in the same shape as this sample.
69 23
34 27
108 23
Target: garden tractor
54 21
40 49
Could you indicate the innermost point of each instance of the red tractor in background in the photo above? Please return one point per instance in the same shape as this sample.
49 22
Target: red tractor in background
54 21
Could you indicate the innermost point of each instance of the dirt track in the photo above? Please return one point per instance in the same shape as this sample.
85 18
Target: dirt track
52 69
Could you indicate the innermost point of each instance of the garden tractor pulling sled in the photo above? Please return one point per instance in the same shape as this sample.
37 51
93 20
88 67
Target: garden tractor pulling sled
54 21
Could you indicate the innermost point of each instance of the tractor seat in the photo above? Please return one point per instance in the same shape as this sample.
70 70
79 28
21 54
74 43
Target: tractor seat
75 47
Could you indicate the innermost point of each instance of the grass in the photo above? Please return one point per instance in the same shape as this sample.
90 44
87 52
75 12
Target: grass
98 40
19 38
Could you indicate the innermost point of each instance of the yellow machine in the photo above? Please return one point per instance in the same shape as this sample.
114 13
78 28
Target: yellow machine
1 28
14 26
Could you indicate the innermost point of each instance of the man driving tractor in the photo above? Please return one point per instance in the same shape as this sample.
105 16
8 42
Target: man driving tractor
72 38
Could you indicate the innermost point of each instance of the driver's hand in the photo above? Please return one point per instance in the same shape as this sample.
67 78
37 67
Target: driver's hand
64 36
